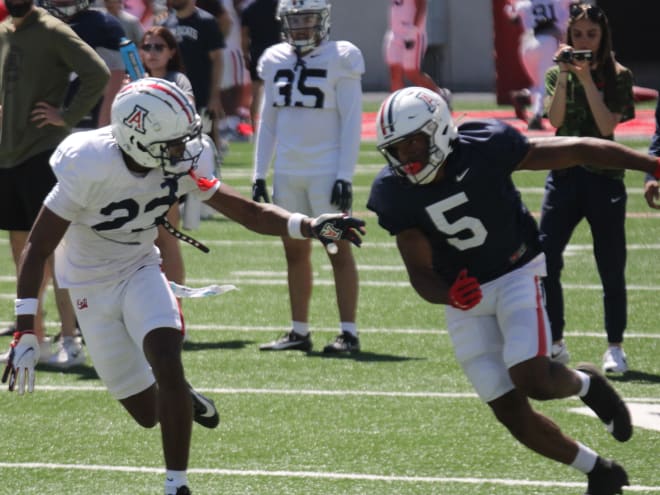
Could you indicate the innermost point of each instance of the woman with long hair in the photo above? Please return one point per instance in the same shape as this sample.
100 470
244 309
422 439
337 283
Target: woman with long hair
588 94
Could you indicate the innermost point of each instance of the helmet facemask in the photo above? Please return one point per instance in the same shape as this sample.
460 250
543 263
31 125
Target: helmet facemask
177 156
305 23
410 112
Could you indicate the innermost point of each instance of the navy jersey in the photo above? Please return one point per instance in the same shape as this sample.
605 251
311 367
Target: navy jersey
474 217
97 29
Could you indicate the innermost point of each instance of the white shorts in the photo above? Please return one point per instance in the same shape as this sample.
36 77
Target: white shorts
396 53
114 319
507 327
309 195
234 71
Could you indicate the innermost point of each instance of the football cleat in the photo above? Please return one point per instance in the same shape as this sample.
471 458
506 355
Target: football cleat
615 360
204 411
344 343
69 353
290 341
183 490
606 478
559 353
607 404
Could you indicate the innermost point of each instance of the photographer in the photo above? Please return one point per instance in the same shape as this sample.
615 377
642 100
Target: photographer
588 96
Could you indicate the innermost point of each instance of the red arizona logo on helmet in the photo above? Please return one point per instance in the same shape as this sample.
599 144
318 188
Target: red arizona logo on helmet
136 119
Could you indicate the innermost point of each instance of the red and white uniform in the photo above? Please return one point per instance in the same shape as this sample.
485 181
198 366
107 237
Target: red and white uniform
107 258
405 31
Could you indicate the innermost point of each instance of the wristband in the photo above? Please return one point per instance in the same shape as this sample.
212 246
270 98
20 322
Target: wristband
294 225
26 306
656 172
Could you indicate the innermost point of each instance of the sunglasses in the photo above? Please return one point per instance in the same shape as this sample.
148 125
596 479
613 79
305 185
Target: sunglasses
593 13
153 47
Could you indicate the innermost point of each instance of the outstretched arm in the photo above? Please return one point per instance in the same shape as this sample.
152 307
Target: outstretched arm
563 152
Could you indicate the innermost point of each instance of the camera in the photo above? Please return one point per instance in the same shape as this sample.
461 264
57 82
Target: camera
567 55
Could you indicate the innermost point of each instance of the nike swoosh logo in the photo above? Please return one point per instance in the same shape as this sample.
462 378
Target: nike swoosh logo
462 175
209 408
29 349
616 200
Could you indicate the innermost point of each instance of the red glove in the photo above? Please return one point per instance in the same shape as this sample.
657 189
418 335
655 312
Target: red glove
465 292
656 172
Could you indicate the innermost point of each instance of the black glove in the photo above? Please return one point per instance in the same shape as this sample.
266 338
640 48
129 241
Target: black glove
409 44
331 227
259 191
342 195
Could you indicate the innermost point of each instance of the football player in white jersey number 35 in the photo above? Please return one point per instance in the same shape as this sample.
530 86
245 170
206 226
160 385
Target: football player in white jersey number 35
115 185
310 122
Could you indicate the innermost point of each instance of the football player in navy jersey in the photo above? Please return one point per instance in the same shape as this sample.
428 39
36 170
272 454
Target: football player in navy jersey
468 242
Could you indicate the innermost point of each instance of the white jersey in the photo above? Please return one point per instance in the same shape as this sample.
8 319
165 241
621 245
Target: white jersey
311 116
543 16
112 211
402 18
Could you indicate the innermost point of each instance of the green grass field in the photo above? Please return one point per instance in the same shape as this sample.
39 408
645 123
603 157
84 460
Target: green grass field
399 418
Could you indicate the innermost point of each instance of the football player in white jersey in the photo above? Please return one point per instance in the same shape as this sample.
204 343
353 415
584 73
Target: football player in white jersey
404 46
311 123
115 185
544 25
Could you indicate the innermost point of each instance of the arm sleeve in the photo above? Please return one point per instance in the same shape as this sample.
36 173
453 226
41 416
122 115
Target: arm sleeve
266 139
349 103
92 71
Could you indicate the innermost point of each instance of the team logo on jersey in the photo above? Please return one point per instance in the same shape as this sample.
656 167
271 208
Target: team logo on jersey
430 103
81 303
136 119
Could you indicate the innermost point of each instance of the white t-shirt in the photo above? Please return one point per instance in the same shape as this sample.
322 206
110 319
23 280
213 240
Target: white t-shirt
112 211
312 110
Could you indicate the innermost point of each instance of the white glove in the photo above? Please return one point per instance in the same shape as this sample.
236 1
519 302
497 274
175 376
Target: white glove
23 357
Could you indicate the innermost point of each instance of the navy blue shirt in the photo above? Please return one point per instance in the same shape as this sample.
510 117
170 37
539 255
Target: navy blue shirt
474 217
97 29
197 35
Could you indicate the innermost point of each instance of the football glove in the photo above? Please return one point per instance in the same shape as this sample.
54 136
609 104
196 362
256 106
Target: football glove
331 227
23 357
465 292
260 191
342 195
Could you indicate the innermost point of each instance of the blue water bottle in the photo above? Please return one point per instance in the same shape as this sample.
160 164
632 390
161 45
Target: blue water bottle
131 58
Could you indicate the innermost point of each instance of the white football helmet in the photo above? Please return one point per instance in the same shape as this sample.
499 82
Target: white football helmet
64 9
305 23
155 124
410 111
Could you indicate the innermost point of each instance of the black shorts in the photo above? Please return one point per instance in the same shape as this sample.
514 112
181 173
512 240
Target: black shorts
22 191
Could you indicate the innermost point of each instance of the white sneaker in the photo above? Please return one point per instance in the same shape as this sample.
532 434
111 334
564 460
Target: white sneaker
615 360
559 353
69 353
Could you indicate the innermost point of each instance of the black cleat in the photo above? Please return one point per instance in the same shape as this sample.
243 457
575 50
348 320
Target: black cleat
290 341
344 343
183 490
606 478
204 412
607 403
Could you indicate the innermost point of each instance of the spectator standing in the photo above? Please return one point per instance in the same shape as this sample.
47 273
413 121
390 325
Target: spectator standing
311 123
260 28
544 28
37 54
161 58
588 98
201 43
131 24
469 243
